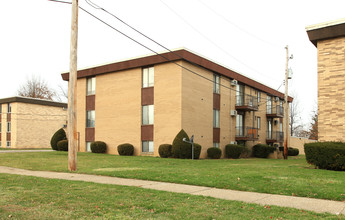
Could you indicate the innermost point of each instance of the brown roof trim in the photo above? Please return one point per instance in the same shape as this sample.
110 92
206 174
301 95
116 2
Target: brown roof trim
33 101
174 56
325 33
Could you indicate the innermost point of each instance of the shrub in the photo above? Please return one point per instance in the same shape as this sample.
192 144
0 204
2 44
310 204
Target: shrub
58 136
181 149
214 152
98 147
125 149
164 150
262 150
233 150
197 150
326 155
62 145
293 151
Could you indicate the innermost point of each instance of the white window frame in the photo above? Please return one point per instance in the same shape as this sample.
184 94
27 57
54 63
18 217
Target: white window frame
91 86
148 77
147 146
216 118
147 114
90 119
216 144
216 82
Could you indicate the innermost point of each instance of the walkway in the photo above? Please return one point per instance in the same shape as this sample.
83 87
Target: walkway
315 205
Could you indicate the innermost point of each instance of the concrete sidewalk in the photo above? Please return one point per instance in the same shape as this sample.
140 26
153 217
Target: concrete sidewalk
315 205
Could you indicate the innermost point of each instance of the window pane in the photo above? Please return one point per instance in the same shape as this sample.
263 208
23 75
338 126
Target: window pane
151 76
8 127
148 115
88 146
259 122
215 118
215 144
145 78
90 119
9 108
216 81
151 114
91 86
150 146
145 115
144 146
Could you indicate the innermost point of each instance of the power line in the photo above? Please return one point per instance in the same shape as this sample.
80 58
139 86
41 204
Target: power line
214 44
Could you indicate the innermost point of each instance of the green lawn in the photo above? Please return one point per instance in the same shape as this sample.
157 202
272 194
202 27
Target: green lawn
286 177
23 197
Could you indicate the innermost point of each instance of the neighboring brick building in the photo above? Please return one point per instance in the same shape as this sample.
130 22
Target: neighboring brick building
29 123
329 38
146 101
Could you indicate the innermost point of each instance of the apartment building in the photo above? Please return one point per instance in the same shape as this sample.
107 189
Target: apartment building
30 123
329 38
146 101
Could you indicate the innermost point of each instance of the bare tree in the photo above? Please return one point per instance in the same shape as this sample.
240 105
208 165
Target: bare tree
35 87
295 116
314 131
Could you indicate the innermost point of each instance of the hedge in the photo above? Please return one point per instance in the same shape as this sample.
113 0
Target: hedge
62 145
214 152
59 135
293 151
326 155
233 151
181 149
98 147
164 150
262 150
125 149
197 150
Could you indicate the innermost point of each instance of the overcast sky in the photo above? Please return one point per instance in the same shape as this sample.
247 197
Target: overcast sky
247 36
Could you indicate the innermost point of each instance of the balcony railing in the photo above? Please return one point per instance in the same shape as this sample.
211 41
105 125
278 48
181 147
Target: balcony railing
274 136
246 103
275 112
246 133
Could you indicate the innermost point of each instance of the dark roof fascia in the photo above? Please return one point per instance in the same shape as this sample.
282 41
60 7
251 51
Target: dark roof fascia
33 101
325 33
173 57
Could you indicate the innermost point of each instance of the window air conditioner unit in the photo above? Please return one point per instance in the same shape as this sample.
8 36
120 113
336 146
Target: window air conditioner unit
234 82
233 112
233 142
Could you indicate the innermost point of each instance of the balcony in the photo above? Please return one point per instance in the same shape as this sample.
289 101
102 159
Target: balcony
274 136
275 112
246 133
246 103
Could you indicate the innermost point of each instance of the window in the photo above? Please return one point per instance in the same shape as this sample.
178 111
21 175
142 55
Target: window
269 129
239 125
215 144
147 116
269 104
91 86
8 143
216 81
90 119
258 122
148 77
88 146
239 95
8 127
259 97
215 118
9 108
147 146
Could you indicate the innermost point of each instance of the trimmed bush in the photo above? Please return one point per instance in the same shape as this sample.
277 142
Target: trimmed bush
197 150
181 149
326 155
262 150
98 147
214 153
62 145
58 136
233 151
293 151
164 150
125 149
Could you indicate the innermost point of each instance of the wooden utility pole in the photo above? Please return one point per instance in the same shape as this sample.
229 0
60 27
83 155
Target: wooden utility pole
286 106
72 91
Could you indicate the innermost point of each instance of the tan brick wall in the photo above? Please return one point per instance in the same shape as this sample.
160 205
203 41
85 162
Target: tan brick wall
3 125
298 143
331 89
34 125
